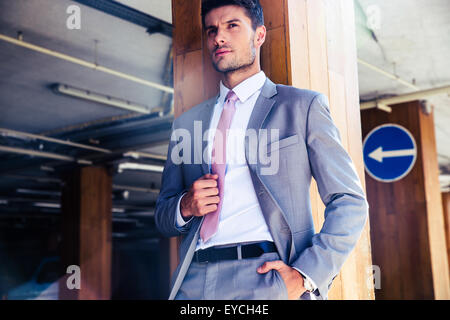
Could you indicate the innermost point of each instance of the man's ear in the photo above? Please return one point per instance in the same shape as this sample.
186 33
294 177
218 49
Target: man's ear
260 35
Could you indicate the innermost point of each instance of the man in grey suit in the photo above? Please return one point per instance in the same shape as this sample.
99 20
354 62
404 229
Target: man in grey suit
237 178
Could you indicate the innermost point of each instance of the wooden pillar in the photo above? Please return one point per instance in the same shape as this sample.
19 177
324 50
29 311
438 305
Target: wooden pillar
316 39
446 206
168 262
407 225
310 44
87 220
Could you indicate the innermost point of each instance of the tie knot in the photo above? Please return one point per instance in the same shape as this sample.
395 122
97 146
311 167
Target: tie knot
231 97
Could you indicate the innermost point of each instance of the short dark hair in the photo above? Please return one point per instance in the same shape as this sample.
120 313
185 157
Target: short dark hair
252 7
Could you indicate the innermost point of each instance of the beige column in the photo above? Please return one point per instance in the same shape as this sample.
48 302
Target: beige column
446 206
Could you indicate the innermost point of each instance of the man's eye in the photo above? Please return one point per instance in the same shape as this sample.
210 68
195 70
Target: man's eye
233 25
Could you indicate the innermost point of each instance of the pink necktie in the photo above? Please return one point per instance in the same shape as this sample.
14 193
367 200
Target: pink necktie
218 164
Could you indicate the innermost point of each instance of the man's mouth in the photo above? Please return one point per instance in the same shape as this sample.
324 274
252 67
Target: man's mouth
220 53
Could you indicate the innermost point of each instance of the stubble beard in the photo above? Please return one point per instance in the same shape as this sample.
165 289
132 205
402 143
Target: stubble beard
237 64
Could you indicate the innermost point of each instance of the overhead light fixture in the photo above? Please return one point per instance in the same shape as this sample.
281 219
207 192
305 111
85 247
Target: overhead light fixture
139 166
58 206
121 194
39 192
119 235
138 155
135 189
47 205
101 98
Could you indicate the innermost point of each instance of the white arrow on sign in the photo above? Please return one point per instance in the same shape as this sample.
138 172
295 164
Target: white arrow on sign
379 154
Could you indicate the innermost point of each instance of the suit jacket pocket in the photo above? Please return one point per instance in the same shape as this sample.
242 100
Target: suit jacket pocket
283 143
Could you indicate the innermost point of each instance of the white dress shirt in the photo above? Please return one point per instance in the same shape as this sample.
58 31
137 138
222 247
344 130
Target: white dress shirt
241 218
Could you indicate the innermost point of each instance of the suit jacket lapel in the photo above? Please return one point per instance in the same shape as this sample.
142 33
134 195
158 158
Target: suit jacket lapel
206 121
272 212
262 108
205 118
260 112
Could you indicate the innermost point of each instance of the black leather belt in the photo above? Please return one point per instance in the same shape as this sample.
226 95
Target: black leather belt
215 254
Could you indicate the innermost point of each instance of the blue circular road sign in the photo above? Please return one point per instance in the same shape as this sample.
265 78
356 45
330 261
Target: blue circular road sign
389 152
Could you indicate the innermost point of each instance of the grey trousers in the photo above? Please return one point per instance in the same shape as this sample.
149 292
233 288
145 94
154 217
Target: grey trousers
233 280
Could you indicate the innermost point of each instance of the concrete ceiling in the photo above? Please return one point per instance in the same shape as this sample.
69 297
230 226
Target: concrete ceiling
161 9
26 100
28 104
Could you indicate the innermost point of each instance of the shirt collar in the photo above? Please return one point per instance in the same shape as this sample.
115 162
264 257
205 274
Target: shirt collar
246 88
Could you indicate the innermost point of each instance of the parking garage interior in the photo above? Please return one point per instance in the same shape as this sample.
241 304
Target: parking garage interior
102 96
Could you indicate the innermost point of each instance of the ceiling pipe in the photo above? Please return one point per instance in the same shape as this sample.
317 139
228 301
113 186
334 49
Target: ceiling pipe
419 95
35 178
85 63
388 75
88 124
14 133
119 10
56 203
142 139
59 181
43 155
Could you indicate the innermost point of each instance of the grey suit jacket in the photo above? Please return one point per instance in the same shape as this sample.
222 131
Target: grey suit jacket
309 145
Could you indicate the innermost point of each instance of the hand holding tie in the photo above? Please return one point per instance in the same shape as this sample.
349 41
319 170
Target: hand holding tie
202 198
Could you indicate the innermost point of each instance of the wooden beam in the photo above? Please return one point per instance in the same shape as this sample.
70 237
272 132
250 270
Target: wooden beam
446 206
168 261
87 220
408 238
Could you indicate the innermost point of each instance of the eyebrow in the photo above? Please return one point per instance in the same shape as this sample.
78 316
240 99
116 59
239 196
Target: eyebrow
229 21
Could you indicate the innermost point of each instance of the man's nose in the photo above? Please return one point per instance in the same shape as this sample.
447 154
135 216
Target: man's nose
220 37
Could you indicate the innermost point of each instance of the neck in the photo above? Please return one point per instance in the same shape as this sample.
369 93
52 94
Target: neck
232 79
